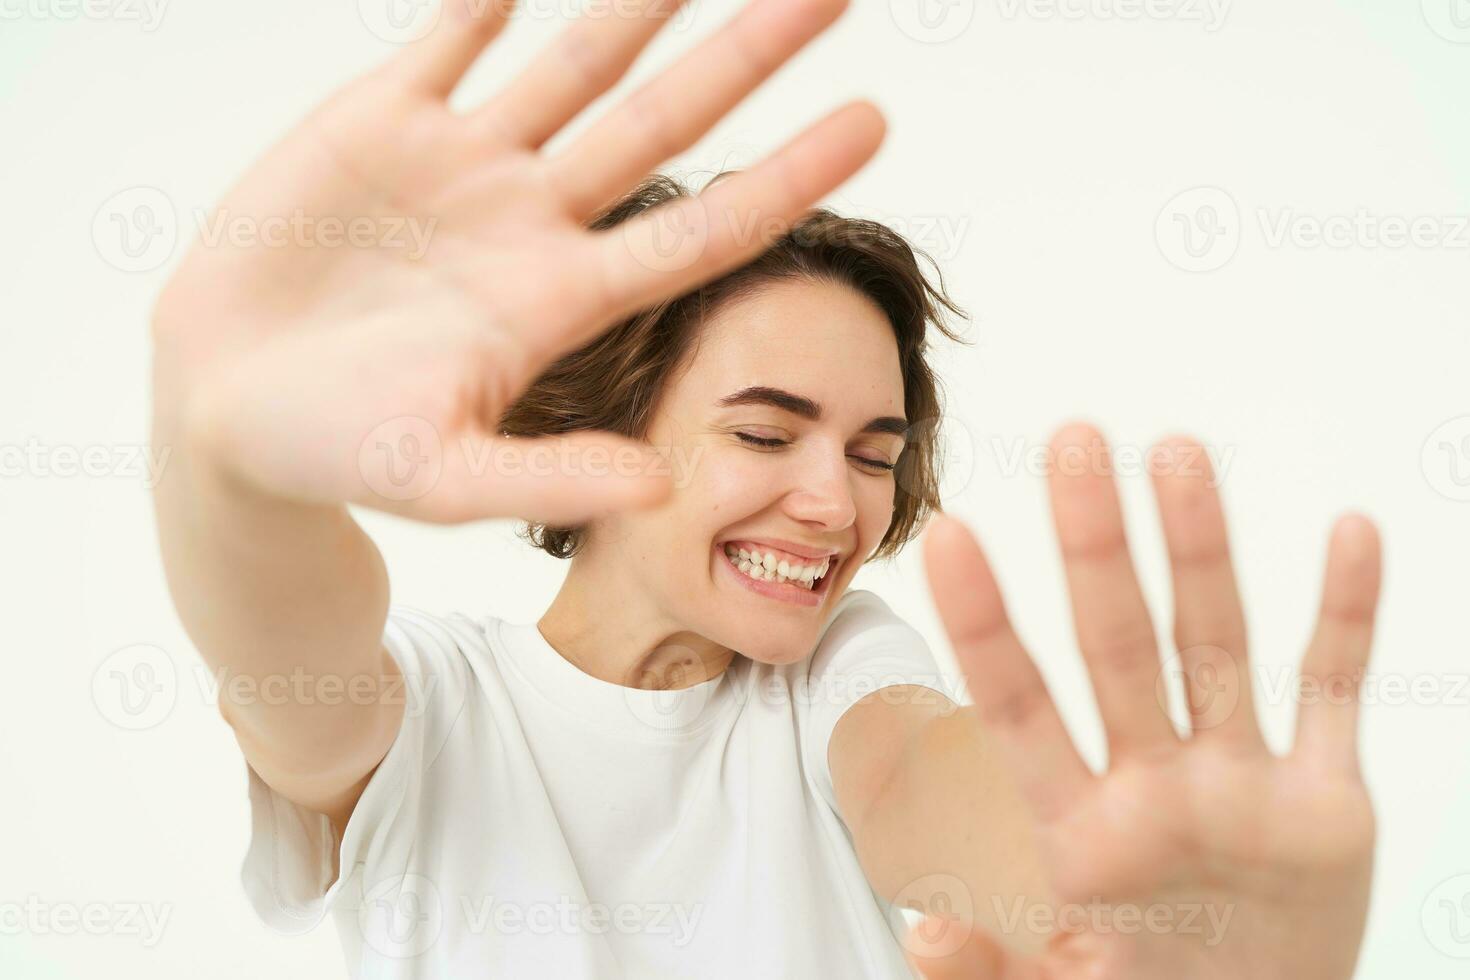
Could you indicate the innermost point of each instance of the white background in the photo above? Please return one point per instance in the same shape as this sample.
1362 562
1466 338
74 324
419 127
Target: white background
1038 156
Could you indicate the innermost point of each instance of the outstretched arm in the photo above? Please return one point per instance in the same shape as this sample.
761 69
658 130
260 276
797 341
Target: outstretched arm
1203 857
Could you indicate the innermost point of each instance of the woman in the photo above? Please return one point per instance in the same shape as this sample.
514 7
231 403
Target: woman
708 757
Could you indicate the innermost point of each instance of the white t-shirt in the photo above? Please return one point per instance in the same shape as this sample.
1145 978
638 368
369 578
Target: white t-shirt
531 821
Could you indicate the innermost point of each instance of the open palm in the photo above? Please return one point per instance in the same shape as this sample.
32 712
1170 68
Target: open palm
469 266
1198 857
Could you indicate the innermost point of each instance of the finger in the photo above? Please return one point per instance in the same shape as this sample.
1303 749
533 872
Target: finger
669 114
939 949
557 480
1209 623
435 63
1337 655
1112 623
1009 692
684 243
584 62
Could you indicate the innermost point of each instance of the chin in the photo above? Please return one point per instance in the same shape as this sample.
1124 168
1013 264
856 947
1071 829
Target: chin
777 655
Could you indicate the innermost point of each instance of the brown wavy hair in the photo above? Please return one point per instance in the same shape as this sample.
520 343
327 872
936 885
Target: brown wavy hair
614 382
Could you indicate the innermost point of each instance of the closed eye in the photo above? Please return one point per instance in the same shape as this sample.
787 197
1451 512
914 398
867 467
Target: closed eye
875 464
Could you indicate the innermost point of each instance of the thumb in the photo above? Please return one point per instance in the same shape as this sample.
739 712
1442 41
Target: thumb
561 480
940 948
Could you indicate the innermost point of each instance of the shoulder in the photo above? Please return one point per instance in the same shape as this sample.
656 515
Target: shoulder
442 656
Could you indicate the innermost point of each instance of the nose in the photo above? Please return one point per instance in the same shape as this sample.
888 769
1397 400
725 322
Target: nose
822 496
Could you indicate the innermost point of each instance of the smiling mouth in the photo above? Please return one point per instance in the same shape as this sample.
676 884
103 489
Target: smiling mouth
804 583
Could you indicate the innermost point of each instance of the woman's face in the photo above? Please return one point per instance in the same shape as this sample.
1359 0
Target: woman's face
781 428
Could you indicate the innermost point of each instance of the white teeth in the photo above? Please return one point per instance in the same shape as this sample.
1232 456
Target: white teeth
767 568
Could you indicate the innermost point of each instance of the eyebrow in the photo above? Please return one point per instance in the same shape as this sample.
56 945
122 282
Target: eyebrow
806 408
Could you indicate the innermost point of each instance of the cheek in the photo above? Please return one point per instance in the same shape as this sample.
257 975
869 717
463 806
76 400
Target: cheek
729 487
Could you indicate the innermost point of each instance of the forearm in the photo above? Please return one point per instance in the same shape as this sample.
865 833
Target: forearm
948 832
286 597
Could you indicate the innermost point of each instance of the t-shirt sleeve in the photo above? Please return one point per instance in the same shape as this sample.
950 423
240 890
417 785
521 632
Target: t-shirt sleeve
867 648
287 872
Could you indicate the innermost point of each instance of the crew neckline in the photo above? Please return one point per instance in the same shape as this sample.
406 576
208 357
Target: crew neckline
600 704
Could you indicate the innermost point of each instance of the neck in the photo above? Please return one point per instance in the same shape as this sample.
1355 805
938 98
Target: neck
606 626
